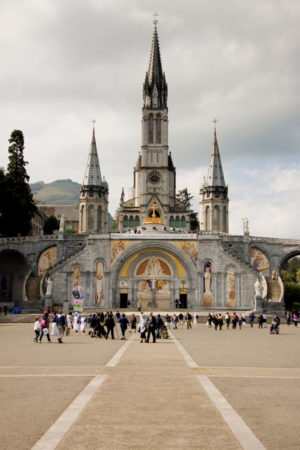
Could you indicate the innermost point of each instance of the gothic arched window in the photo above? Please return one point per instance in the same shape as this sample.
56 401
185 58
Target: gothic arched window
99 218
81 218
172 222
207 219
151 129
177 222
158 129
125 221
216 219
91 218
183 222
137 221
131 222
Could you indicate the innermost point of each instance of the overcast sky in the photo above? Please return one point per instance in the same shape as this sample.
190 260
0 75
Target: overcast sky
66 62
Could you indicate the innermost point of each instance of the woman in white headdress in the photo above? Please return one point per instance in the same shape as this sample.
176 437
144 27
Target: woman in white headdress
83 324
76 323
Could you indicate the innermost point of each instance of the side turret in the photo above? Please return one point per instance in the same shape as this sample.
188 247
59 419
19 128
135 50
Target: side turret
93 202
214 195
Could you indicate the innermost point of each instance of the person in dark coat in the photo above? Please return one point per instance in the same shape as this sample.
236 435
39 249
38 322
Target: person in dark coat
151 328
110 325
123 321
159 325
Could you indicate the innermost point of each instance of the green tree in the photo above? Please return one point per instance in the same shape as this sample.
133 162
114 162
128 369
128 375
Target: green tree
51 225
185 197
18 208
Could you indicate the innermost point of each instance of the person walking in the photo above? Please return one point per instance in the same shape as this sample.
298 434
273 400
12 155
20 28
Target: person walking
175 321
133 323
220 321
288 318
180 317
83 324
159 326
188 319
110 325
295 319
227 319
44 325
76 323
251 319
36 329
142 327
123 321
151 328
240 321
60 322
209 319
54 330
234 320
260 321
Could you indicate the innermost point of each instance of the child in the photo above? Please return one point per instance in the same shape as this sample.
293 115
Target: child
36 329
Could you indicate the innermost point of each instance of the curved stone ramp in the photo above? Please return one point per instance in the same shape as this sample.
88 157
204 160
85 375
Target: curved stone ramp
150 398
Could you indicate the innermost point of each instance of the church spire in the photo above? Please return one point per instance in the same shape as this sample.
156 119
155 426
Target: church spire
155 89
92 176
215 176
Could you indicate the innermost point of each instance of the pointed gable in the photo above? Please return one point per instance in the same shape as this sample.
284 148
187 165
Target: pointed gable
92 176
215 176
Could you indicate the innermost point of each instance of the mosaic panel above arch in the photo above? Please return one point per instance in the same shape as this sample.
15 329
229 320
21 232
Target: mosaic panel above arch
47 260
153 267
259 260
126 268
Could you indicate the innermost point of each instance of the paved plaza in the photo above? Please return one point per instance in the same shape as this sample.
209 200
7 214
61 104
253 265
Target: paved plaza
201 388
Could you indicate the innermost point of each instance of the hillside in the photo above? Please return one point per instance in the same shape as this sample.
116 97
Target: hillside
59 192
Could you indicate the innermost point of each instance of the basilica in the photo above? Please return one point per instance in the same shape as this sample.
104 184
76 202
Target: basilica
153 259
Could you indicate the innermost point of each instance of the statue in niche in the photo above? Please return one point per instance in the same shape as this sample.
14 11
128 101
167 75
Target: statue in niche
153 268
49 286
258 288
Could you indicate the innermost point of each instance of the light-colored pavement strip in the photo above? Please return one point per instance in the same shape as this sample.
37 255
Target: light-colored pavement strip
241 431
53 436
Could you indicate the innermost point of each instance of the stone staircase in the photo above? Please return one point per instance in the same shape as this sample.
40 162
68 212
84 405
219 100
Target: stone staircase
32 288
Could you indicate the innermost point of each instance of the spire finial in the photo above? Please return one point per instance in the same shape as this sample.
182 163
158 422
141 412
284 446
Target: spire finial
155 21
215 126
93 122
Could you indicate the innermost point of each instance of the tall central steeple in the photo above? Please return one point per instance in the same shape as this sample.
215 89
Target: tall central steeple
154 173
155 88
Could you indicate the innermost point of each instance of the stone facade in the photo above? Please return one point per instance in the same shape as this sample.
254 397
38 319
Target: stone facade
153 259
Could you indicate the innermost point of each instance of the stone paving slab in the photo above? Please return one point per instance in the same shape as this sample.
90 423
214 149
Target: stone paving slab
18 349
249 347
150 400
29 406
271 408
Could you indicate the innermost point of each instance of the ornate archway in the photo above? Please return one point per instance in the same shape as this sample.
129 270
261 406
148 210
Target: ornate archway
148 276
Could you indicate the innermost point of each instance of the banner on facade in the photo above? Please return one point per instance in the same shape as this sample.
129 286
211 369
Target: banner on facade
77 291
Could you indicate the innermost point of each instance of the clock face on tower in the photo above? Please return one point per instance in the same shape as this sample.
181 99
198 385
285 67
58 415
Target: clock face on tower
154 177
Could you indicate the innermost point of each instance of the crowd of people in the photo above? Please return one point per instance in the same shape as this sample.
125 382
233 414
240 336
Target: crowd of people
103 325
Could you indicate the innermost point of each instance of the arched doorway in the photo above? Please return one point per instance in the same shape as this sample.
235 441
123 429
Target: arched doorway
13 271
147 277
290 275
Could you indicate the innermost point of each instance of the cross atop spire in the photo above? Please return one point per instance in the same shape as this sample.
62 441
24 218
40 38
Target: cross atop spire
155 86
215 171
